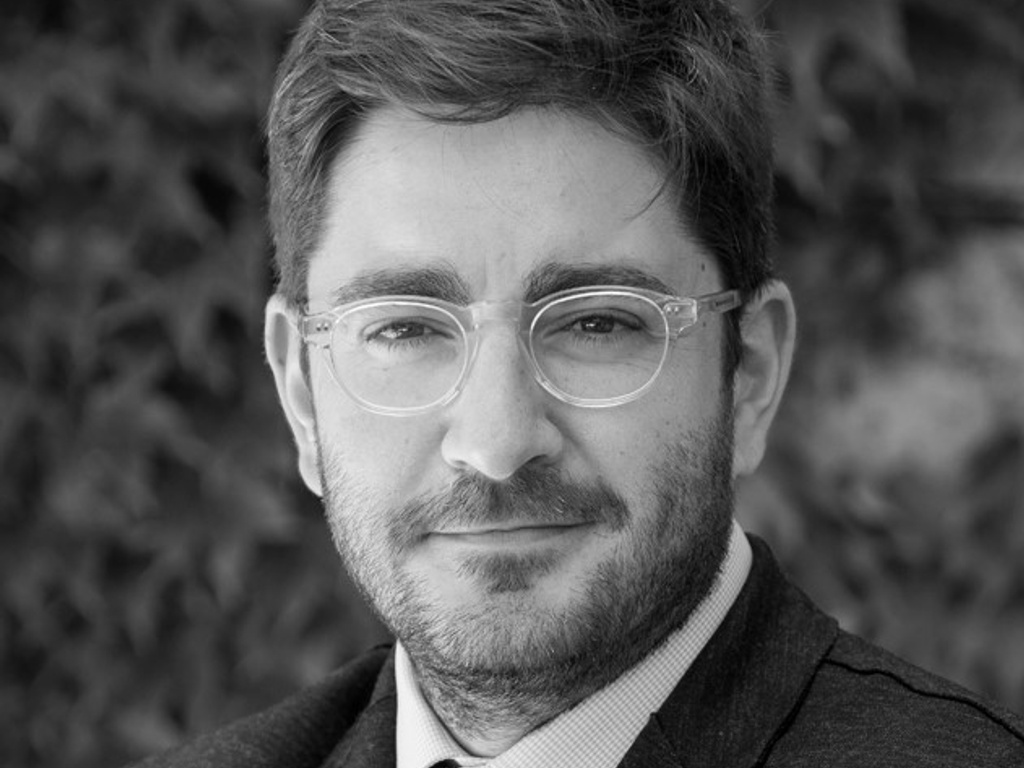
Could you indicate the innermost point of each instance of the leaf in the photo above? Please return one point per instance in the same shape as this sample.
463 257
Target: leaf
811 31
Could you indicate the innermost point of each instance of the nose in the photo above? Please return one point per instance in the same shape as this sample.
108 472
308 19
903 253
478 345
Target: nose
500 420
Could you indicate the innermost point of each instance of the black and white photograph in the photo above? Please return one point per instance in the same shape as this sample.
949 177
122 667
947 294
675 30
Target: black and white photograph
512 383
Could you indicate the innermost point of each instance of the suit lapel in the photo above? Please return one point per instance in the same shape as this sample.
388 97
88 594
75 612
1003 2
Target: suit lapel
652 749
743 686
370 742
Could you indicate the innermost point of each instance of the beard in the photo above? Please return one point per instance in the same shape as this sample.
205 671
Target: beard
507 657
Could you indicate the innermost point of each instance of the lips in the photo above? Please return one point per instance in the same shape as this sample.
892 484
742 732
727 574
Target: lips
509 528
512 536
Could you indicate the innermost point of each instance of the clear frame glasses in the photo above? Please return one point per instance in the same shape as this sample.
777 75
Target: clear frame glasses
593 347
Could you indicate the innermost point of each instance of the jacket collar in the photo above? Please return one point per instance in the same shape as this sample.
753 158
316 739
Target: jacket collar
726 711
740 692
370 742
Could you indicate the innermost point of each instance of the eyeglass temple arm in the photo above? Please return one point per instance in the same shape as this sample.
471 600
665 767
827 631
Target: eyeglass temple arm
718 302
683 316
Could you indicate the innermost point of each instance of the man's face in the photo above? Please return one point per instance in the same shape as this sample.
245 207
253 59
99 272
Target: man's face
508 530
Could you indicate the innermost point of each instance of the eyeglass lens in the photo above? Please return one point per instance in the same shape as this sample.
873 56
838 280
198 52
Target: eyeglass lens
409 355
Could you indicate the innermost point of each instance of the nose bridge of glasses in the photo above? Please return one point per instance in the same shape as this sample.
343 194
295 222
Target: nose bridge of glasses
510 313
498 313
486 312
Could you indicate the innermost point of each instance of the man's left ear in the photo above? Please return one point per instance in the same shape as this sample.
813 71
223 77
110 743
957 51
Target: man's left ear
768 331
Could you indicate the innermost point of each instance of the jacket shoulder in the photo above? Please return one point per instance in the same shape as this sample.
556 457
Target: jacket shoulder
868 707
299 731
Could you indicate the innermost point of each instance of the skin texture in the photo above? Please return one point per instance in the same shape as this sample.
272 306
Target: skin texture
525 551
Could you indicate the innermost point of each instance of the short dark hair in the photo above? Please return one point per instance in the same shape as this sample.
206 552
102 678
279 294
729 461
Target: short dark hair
684 79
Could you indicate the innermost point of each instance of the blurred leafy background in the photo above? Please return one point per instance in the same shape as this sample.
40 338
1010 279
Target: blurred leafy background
163 571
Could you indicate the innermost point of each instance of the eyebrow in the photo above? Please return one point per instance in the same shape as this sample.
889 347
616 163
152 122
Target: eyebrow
552 278
441 282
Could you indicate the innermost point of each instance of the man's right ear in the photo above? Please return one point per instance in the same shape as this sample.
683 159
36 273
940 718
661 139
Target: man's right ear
284 353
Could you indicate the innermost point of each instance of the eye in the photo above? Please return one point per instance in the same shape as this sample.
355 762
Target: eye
601 324
598 324
401 330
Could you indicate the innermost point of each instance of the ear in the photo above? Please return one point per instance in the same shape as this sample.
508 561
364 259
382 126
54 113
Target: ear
284 348
768 332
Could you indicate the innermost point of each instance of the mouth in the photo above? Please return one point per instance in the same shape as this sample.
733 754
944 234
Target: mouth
510 535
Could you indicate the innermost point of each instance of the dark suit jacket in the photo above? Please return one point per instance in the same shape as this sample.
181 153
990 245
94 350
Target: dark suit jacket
778 685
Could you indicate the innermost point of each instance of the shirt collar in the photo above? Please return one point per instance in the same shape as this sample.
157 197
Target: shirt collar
599 731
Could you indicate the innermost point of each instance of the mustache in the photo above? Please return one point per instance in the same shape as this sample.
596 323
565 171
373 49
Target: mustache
533 494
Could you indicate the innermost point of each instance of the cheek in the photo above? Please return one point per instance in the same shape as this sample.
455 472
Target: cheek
628 446
618 446
385 456
688 392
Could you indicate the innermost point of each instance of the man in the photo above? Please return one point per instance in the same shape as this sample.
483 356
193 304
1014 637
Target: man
527 336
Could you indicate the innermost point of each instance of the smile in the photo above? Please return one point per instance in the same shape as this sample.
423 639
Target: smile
511 536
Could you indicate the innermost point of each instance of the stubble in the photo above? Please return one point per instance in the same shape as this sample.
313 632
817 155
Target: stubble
507 659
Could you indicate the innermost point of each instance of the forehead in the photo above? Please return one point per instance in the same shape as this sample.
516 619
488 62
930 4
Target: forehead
488 208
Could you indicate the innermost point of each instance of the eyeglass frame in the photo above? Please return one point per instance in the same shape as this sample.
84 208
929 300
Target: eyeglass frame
680 315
